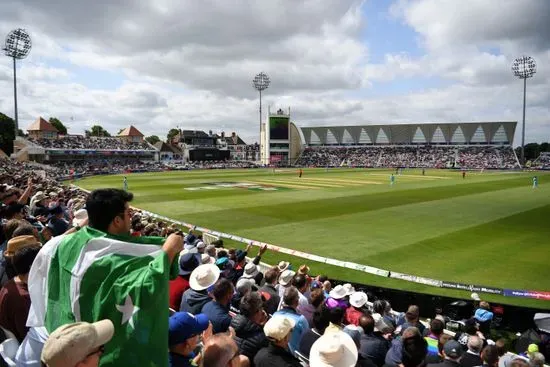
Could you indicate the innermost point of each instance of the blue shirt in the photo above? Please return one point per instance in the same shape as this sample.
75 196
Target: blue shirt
300 327
218 315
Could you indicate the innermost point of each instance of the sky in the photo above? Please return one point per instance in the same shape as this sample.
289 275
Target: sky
158 64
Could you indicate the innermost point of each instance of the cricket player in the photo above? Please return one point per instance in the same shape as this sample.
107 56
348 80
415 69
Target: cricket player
125 184
535 182
392 179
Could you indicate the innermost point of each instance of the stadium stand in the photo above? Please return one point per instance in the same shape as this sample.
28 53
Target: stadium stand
381 330
474 157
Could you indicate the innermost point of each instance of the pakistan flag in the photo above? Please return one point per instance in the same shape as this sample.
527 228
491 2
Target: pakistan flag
90 275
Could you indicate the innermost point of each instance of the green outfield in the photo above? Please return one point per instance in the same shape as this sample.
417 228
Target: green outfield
491 228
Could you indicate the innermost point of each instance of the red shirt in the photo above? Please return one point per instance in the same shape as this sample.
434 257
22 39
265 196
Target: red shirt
177 287
352 316
15 303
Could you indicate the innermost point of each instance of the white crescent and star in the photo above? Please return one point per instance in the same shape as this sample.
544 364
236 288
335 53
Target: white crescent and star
128 311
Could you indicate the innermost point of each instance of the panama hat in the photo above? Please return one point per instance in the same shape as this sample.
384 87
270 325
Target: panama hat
204 276
334 350
338 292
20 242
79 217
349 289
286 277
283 265
358 299
250 271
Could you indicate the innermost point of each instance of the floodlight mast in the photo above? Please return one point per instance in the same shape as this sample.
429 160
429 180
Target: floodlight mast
261 82
18 45
524 67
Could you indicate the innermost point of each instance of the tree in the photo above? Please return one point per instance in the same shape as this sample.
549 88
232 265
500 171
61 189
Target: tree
58 125
97 130
171 134
7 133
153 139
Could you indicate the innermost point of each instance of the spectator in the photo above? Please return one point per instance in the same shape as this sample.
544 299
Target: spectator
484 316
383 308
183 337
285 281
200 280
320 323
337 298
221 351
248 326
217 310
269 292
536 360
251 271
334 350
244 286
57 220
14 296
519 362
452 351
178 286
504 358
436 329
290 304
316 298
278 331
415 349
471 327
355 333
354 312
300 282
373 345
489 356
77 345
412 318
395 353
336 319
472 356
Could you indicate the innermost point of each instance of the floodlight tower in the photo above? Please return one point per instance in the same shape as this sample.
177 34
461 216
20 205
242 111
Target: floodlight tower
260 83
524 67
18 45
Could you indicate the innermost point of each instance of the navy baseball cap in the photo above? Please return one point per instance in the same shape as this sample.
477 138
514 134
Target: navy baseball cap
188 263
183 325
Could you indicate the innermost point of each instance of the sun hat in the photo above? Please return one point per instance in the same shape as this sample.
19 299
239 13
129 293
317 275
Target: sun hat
199 244
206 259
358 299
349 289
286 277
210 248
53 194
244 285
204 276
475 297
283 265
338 292
20 242
278 327
183 325
79 217
188 263
452 349
72 343
334 350
304 269
250 271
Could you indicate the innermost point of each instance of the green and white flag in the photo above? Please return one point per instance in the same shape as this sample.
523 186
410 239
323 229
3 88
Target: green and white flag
90 275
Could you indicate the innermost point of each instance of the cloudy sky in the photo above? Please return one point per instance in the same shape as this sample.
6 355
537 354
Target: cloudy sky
161 63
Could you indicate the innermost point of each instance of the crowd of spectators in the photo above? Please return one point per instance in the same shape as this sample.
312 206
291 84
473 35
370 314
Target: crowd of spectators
77 142
226 308
471 157
542 162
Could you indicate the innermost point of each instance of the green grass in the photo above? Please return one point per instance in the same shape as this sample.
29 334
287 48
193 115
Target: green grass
489 229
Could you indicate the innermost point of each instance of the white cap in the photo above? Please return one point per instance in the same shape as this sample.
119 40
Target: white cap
278 327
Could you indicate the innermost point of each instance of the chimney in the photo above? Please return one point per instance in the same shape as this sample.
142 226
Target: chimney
233 134
209 132
223 134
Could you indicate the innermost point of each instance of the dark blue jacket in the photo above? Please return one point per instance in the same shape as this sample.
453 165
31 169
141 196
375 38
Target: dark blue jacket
218 315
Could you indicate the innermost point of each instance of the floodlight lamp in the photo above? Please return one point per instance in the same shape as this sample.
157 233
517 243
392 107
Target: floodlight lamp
261 82
524 67
18 44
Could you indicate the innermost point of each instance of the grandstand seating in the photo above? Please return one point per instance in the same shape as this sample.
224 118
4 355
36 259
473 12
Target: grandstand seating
468 157
91 143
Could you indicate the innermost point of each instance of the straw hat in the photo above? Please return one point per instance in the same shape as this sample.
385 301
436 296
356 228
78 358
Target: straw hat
286 277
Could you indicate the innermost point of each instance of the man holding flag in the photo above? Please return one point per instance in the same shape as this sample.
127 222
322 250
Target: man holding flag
101 272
